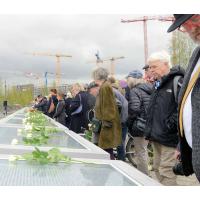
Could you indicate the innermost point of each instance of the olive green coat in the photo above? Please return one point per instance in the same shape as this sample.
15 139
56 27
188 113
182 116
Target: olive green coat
106 110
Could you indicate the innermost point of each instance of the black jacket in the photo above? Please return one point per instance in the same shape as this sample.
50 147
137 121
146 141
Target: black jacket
138 103
67 111
161 123
79 120
91 100
60 112
55 101
191 156
42 106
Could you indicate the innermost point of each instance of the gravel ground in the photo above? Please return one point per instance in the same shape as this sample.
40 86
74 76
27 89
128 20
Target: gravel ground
183 180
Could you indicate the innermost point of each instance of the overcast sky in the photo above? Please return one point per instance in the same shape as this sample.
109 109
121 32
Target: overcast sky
77 35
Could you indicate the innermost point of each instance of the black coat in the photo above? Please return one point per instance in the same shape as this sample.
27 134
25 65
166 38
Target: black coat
80 120
191 156
67 111
127 93
162 118
55 102
138 103
42 106
59 114
91 100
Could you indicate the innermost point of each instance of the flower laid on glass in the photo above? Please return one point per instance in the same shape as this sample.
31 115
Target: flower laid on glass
54 155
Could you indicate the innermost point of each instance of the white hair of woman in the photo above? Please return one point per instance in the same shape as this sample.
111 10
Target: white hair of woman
161 56
132 82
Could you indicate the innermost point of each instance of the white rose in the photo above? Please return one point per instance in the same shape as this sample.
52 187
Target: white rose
89 125
29 135
28 127
19 132
14 142
12 158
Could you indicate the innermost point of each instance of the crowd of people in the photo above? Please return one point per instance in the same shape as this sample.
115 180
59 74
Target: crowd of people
160 105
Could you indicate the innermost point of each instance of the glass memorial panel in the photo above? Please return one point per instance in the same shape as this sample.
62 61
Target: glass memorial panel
21 116
20 121
14 121
73 174
60 139
23 111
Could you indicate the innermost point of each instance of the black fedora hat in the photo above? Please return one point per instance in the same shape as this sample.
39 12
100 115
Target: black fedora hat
179 20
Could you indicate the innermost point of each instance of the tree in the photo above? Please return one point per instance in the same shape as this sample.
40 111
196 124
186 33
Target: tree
181 48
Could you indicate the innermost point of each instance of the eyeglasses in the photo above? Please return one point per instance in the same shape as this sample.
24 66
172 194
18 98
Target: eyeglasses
153 67
194 21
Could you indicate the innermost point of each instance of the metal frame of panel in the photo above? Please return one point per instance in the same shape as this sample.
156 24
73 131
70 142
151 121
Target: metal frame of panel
90 151
123 168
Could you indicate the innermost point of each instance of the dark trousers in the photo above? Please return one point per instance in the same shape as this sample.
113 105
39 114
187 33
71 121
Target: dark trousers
121 154
110 151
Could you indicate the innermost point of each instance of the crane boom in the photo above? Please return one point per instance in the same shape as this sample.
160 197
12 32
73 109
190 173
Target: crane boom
112 63
144 19
58 68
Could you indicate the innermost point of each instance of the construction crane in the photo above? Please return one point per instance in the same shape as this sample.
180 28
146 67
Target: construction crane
58 68
112 64
98 61
45 77
144 19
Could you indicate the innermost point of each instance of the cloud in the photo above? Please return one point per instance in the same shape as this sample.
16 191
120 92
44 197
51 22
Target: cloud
77 35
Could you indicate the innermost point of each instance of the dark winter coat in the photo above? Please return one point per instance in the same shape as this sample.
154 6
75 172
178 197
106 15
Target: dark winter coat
138 103
60 115
127 93
191 157
55 102
80 120
67 111
91 100
162 118
42 106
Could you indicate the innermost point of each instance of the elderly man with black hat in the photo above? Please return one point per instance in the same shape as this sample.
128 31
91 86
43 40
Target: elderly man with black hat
189 99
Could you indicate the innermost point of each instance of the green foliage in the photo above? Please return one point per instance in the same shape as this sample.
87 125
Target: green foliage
39 139
181 47
23 98
37 118
35 131
14 96
41 157
88 135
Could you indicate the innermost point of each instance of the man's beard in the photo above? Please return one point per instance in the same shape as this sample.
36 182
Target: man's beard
196 36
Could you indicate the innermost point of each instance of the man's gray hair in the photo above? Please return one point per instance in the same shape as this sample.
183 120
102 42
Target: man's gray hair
100 73
162 56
